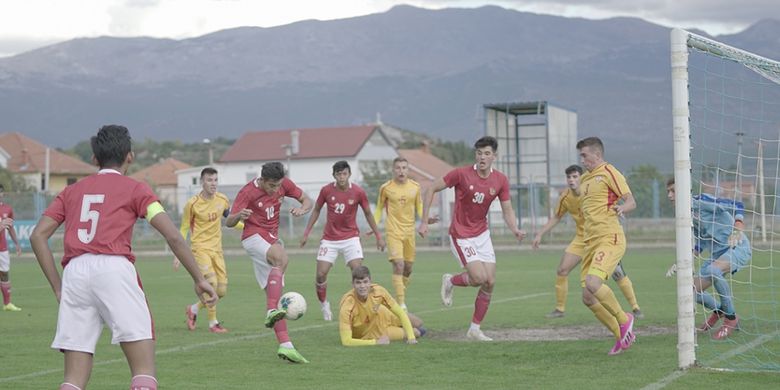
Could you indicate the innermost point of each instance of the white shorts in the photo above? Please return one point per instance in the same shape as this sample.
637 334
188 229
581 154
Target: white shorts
257 248
97 290
479 248
5 261
350 249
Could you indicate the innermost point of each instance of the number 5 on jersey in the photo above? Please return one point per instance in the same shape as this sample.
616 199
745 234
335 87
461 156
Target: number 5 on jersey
88 215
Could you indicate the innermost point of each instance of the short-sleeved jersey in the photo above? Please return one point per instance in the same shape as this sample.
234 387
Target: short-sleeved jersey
473 196
6 211
203 220
342 210
569 202
360 317
265 208
713 223
400 201
600 189
99 212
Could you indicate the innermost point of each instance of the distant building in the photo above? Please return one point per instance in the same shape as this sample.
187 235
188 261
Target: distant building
309 155
26 158
163 179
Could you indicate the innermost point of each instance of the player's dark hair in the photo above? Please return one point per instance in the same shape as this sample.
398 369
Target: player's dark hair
486 141
591 142
573 168
340 166
111 145
361 272
2 188
207 171
272 171
670 182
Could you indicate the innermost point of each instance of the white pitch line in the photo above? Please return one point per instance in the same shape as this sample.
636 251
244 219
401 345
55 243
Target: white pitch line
663 382
244 338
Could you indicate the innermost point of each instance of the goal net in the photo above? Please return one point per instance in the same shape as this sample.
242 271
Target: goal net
726 119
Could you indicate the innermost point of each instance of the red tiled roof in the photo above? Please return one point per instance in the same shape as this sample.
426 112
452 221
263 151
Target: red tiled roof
424 166
162 173
313 143
29 156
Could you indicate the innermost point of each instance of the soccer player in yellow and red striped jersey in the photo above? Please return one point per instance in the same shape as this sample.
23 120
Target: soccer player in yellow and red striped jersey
600 190
569 202
368 315
400 198
202 219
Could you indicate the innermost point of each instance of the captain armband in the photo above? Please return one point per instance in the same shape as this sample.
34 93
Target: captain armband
153 209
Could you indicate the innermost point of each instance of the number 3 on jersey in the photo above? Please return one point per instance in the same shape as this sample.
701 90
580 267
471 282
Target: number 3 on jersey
88 215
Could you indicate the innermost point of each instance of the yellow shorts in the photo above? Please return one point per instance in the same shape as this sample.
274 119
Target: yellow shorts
576 247
602 256
211 262
387 323
401 248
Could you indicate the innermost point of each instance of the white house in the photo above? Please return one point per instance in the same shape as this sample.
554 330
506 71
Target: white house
309 160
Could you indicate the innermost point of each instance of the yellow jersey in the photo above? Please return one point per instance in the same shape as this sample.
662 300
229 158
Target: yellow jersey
401 202
360 323
569 202
203 220
600 189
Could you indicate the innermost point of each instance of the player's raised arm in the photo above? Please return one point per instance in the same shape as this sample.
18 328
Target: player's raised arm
427 196
39 240
306 206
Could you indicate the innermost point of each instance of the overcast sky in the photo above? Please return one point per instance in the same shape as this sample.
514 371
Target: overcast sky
28 24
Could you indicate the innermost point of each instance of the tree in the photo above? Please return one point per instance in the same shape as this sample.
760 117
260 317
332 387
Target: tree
648 186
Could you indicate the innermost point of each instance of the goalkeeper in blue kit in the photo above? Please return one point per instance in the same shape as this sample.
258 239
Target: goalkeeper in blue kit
717 228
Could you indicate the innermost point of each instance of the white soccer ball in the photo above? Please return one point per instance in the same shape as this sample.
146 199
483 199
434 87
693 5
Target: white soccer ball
294 304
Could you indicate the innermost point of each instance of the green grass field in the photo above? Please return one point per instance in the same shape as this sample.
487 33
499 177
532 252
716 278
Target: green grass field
245 357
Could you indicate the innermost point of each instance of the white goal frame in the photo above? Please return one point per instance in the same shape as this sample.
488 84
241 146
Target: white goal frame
681 41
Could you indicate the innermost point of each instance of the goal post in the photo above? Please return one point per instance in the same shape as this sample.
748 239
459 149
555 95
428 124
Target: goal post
686 355
726 136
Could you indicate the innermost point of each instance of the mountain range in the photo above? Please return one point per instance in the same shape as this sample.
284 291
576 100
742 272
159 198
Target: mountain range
425 70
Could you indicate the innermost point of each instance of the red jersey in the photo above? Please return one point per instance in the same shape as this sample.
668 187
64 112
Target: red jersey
265 208
342 210
99 212
5 212
473 196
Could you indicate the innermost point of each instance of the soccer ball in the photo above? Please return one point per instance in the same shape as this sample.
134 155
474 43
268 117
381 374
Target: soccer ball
294 304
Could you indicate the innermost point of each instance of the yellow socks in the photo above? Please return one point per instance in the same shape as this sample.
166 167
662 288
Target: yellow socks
628 291
607 299
400 288
606 318
561 290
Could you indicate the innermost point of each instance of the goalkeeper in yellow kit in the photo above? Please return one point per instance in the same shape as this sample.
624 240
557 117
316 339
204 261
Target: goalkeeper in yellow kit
202 219
368 315
401 197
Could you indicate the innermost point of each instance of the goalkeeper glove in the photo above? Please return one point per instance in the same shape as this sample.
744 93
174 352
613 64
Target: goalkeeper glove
735 238
671 271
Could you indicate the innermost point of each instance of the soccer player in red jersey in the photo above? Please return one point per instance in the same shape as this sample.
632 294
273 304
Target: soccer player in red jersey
341 233
475 189
7 223
99 282
257 205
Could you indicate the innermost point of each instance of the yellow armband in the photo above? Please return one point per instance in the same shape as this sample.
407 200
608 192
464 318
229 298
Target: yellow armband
239 225
153 209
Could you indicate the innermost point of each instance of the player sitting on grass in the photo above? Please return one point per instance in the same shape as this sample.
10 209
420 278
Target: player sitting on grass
368 315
